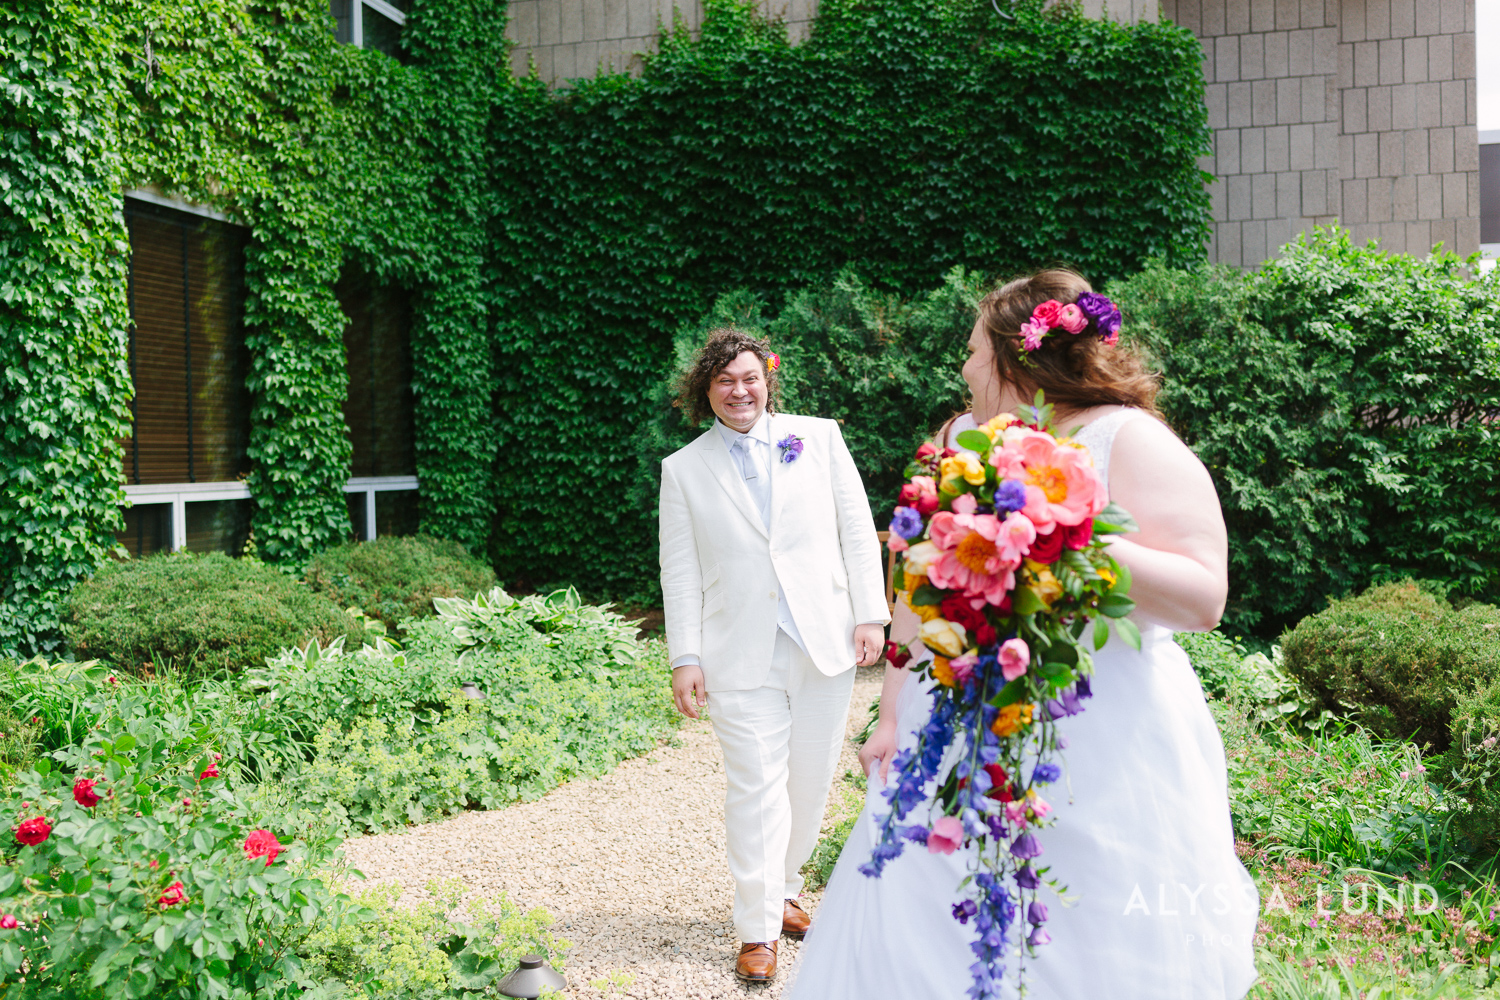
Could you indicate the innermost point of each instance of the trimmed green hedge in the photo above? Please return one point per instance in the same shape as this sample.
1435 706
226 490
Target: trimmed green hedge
394 578
204 613
1344 401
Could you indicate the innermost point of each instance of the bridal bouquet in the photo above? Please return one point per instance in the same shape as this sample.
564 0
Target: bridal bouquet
1000 553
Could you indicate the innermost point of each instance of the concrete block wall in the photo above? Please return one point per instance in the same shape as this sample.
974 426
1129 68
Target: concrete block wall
1356 111
570 39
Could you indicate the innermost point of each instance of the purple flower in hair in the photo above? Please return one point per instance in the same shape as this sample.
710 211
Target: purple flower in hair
1104 313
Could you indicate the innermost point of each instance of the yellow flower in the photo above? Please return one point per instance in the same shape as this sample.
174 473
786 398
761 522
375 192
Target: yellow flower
917 559
1108 575
926 612
998 423
914 581
942 671
1043 584
963 466
942 637
1013 718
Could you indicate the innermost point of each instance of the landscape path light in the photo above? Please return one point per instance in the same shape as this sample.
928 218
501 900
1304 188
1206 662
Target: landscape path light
471 690
530 978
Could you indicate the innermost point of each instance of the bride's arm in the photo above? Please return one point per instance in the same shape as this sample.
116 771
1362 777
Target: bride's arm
1179 561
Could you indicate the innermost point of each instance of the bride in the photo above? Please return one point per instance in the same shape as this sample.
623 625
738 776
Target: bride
1158 906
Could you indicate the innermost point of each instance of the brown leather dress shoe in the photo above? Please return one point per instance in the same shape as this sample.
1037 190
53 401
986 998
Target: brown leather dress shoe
757 962
794 920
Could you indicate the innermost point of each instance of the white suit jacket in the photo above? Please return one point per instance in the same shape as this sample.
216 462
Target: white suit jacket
721 569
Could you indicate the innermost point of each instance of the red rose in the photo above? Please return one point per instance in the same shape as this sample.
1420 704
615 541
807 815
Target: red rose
84 794
263 844
1047 548
1004 606
175 895
34 831
985 635
1047 313
909 495
9 922
927 504
897 656
949 452
959 611
1000 783
1078 536
927 450
211 771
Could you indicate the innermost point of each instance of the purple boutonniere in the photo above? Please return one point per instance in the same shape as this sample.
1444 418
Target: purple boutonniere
791 447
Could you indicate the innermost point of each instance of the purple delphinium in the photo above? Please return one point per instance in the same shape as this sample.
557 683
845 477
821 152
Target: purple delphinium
791 448
1010 496
996 912
906 522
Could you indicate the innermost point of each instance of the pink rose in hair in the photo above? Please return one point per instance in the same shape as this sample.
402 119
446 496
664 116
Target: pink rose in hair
1071 318
1047 313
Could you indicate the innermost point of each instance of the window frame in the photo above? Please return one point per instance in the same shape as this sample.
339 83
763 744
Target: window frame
357 16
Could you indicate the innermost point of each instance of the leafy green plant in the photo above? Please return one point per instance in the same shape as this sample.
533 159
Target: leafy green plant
394 578
436 949
204 613
1395 657
1343 399
135 871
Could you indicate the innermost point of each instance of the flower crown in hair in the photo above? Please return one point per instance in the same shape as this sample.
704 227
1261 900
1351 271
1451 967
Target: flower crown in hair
1075 317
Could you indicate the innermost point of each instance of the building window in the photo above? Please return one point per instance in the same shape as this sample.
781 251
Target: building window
190 411
379 407
370 24
1489 197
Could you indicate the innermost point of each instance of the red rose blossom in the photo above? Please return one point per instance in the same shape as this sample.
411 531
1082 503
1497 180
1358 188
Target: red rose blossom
896 655
961 612
926 451
8 922
1047 548
34 831
175 895
1077 537
211 771
999 782
985 635
263 844
84 794
1047 313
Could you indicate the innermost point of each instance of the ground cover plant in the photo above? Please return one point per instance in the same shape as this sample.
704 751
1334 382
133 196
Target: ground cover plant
394 577
144 809
200 613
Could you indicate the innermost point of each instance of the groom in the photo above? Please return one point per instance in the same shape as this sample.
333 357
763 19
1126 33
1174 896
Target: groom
771 578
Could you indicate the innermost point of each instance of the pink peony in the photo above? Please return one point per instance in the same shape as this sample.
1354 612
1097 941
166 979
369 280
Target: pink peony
1015 537
1015 658
1061 484
968 558
946 836
1071 318
964 503
263 844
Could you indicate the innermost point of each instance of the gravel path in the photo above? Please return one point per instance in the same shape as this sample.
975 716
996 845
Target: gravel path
632 866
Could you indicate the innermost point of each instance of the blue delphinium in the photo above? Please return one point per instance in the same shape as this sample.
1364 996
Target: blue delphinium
995 912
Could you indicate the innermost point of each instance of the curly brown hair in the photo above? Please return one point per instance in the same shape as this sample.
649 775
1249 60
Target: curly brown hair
1075 372
723 345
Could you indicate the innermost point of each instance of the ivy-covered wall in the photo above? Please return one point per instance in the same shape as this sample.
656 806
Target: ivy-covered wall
553 240
326 153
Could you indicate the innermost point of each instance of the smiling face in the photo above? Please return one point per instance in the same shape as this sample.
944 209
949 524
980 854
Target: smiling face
738 393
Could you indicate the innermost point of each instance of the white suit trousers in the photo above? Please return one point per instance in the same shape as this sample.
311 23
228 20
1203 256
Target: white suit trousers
781 744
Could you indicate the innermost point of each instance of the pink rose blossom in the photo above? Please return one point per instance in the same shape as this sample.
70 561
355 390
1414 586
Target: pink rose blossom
896 543
963 666
1071 318
1015 658
946 836
1047 313
9 922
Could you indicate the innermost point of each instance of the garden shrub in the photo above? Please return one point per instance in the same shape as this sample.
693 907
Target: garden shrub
1344 401
394 578
200 612
144 881
1395 658
437 948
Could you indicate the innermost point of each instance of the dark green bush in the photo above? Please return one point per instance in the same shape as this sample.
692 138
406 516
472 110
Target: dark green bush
394 578
197 612
1344 401
1396 658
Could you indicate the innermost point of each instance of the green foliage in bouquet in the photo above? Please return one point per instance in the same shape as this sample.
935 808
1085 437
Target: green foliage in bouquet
394 578
1344 401
1395 658
203 613
437 949
135 871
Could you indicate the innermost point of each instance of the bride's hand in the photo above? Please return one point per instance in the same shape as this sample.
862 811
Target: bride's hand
881 747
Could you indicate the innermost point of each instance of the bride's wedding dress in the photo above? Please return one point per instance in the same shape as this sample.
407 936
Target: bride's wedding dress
1159 908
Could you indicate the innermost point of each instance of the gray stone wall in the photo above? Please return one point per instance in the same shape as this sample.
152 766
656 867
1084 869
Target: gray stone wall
1360 111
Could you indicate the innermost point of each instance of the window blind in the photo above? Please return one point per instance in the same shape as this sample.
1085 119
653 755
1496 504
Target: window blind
377 343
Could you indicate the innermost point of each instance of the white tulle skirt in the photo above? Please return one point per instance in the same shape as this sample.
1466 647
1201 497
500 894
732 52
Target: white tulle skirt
1159 906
